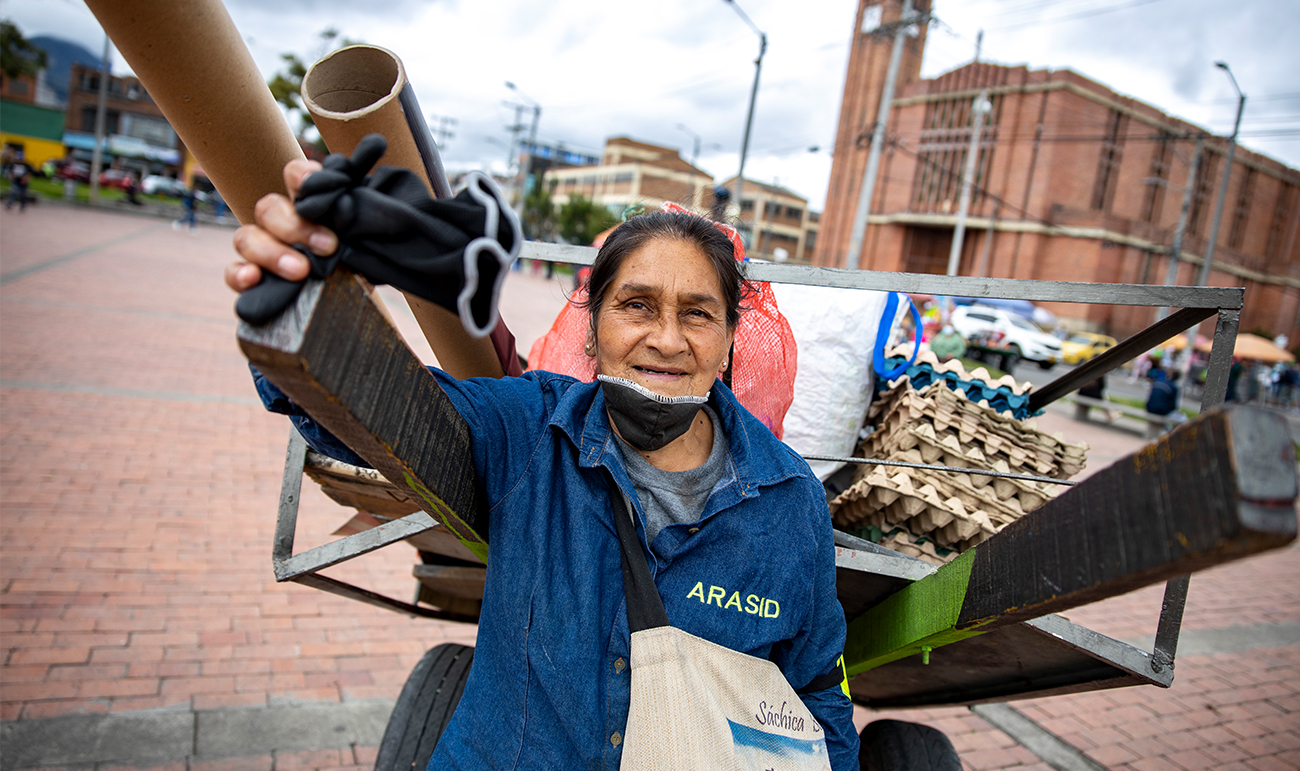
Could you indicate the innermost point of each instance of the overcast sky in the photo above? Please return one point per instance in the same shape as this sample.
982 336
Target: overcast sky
601 69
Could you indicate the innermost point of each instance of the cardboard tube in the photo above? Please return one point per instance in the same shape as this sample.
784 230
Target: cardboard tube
356 91
196 67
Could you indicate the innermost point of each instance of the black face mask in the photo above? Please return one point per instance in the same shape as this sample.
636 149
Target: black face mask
644 419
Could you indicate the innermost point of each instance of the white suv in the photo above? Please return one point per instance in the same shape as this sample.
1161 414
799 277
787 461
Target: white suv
1018 333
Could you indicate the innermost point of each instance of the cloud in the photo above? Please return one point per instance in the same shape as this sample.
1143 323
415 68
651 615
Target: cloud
606 69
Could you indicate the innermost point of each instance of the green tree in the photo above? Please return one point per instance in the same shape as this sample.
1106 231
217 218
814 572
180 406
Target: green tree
539 214
286 85
581 220
18 56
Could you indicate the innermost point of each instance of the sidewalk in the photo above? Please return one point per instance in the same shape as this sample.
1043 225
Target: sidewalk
140 625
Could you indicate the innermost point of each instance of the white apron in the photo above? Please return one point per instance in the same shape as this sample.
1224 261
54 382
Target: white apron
699 705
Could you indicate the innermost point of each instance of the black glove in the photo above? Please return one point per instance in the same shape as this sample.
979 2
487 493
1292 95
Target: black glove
453 252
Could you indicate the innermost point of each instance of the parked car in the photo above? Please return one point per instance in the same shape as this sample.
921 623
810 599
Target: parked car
115 178
1082 346
1016 333
155 184
75 171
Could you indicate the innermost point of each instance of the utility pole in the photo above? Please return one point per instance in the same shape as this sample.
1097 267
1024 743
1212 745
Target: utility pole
968 179
854 257
987 246
444 131
749 119
512 154
532 139
1204 276
101 118
1176 251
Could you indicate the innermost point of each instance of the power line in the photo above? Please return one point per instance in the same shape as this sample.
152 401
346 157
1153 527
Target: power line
1072 17
1032 6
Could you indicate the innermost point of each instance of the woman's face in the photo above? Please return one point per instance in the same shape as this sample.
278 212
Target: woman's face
663 321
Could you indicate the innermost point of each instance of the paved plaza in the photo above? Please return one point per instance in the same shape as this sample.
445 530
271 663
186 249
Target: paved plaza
141 627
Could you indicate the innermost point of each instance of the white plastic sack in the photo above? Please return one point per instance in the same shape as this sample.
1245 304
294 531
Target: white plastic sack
835 330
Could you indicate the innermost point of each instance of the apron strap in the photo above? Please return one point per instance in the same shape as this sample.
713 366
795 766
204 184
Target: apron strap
822 682
645 608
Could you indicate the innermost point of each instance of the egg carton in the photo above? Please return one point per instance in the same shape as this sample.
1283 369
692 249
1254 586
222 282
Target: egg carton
905 543
902 429
955 367
1017 495
888 502
1004 394
1025 448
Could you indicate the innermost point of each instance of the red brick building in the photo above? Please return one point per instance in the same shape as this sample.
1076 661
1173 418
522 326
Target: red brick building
1074 182
138 136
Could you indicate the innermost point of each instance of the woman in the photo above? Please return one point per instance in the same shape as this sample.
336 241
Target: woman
734 525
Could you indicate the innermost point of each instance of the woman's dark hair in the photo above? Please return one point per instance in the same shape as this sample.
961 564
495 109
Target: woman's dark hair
640 230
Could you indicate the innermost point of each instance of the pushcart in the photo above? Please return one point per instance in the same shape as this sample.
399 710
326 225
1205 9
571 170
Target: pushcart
981 629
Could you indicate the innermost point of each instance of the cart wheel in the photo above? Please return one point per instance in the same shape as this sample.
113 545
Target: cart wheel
893 745
424 708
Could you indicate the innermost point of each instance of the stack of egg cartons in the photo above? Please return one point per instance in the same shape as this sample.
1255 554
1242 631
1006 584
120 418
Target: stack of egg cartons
933 514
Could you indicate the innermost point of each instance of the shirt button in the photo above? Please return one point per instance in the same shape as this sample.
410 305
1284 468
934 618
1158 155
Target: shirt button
616 739
619 665
693 531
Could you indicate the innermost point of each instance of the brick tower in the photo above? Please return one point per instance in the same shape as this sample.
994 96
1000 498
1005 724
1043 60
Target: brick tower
868 62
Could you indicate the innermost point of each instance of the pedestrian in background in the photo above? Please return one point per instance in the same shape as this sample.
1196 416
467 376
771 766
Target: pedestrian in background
189 202
132 187
20 173
948 344
1163 399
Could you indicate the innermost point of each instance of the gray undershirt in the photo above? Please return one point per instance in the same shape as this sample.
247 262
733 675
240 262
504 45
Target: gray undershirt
675 497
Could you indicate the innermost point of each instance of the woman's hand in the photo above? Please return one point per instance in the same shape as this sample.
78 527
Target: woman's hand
266 244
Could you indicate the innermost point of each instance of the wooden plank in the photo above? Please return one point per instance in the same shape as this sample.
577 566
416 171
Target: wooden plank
1218 489
335 355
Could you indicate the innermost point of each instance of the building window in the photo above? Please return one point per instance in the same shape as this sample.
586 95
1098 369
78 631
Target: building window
1241 212
18 87
1282 216
1205 177
1112 151
746 205
1157 176
623 177
941 155
794 212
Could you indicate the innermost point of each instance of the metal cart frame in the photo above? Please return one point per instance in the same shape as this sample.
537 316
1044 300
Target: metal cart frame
1084 660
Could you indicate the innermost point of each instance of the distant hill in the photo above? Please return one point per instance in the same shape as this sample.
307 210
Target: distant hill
61 54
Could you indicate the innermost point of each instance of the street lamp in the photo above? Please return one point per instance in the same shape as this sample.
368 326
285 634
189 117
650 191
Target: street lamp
1204 275
749 118
532 139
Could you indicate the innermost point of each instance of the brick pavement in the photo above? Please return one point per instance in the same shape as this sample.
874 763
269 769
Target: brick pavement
139 481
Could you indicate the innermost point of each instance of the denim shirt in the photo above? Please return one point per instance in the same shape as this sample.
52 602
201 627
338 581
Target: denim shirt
550 685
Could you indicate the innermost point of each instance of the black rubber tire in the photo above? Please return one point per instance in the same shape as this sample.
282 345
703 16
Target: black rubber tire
1046 364
424 708
894 745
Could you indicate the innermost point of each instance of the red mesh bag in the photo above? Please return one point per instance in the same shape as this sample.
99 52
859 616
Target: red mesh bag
762 367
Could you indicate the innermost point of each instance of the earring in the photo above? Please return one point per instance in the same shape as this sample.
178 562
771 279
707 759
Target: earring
589 348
